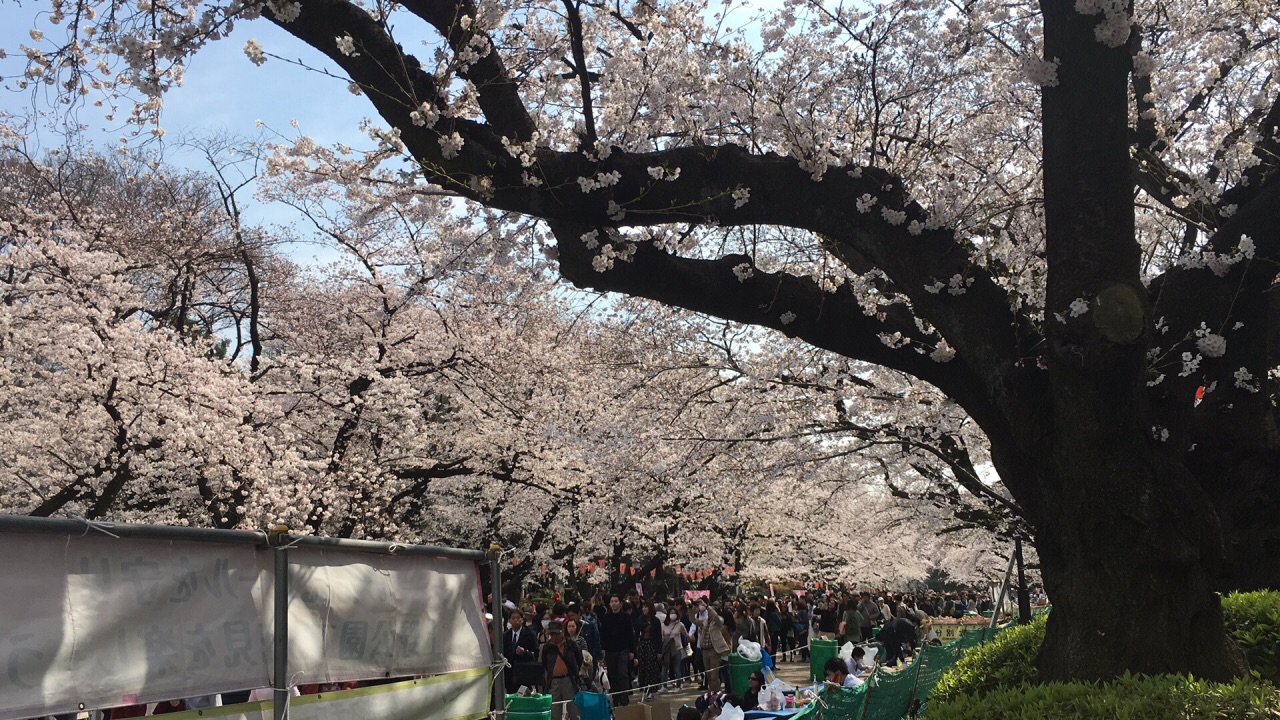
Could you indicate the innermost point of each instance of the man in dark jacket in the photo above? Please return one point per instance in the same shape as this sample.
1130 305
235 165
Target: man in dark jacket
619 641
520 647
561 663
896 633
870 615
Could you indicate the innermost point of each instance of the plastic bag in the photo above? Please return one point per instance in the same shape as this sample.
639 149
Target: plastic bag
602 677
592 706
749 650
731 712
771 698
846 651
766 659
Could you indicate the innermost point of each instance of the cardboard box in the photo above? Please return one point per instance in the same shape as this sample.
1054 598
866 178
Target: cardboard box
631 712
659 709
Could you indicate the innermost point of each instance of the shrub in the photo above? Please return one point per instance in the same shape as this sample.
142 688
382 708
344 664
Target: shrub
1009 659
1160 697
1253 620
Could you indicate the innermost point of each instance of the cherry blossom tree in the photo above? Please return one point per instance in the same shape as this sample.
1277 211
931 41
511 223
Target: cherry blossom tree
424 387
1062 215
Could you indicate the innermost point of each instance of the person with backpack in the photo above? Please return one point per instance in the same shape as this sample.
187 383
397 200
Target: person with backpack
561 665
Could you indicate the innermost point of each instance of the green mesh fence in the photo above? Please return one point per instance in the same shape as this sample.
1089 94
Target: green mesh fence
894 695
890 694
842 703
933 661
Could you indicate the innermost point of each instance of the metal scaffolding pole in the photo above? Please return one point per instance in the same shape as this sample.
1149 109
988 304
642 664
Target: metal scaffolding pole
499 662
280 630
995 612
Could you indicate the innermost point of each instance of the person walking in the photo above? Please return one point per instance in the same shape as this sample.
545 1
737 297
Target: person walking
674 638
561 664
773 620
788 621
649 649
803 619
587 677
619 642
520 646
870 615
712 643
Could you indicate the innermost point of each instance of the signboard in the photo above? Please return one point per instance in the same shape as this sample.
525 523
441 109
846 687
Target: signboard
98 621
358 616
106 621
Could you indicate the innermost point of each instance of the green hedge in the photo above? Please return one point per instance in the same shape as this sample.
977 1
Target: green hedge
1253 619
1009 659
1162 697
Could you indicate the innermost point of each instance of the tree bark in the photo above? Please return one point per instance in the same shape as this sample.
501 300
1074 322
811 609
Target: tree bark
1129 552
1130 570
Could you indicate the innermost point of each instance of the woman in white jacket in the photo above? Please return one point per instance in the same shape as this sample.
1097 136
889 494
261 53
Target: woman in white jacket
674 637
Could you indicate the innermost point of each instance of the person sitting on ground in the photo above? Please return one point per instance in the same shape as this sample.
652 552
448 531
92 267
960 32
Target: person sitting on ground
751 698
688 713
857 666
709 704
837 673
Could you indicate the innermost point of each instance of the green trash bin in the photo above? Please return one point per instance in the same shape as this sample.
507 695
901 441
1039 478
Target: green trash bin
528 707
740 670
820 651
532 715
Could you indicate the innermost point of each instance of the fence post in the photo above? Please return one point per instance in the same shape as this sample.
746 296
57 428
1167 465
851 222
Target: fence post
280 637
995 613
496 624
1024 598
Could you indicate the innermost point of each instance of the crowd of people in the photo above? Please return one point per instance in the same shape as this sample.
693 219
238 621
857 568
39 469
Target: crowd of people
624 643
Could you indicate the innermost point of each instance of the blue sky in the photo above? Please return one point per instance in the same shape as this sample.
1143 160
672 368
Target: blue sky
222 92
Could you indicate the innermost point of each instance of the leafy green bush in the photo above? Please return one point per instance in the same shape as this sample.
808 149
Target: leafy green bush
1009 659
1253 620
1160 697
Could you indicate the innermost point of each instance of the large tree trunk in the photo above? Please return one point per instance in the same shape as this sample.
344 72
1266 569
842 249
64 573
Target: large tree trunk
1130 544
1130 561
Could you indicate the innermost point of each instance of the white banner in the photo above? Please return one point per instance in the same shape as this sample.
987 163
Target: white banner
456 696
105 621
359 616
96 621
